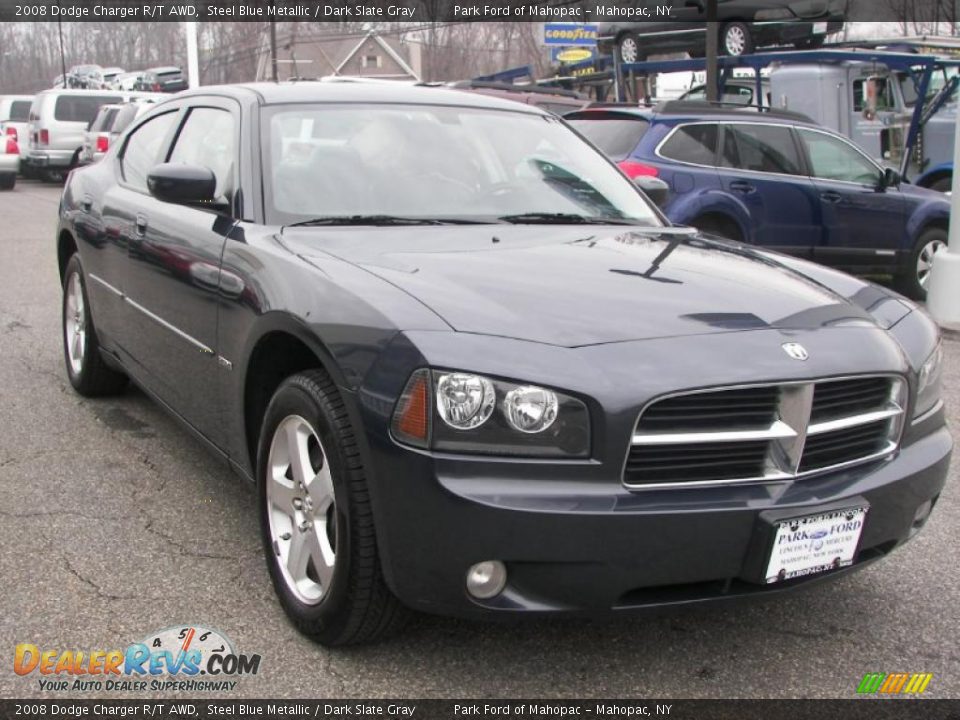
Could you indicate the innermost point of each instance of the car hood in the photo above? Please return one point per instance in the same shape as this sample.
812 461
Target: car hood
577 286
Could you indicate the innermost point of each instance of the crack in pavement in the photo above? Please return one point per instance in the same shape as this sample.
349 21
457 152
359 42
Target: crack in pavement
100 592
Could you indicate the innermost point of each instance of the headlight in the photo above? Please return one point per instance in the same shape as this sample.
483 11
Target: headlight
928 382
469 413
464 401
773 14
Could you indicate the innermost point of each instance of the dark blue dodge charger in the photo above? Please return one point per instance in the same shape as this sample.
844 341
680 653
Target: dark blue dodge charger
472 370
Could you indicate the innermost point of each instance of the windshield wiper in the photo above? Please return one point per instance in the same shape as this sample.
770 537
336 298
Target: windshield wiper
547 218
379 220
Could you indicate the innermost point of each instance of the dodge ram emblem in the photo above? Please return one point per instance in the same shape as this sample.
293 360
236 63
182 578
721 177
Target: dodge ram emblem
796 351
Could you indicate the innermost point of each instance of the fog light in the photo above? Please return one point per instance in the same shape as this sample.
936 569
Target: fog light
486 579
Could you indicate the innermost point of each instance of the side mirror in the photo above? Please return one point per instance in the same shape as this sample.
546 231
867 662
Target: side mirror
890 178
183 184
654 188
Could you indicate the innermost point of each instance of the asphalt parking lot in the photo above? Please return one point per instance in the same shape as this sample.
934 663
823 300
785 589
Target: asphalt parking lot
115 523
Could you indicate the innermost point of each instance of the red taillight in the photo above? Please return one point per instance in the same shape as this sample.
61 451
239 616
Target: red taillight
634 169
156 87
12 134
12 147
44 137
103 143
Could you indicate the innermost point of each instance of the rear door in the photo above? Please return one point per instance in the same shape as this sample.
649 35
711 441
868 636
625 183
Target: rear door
761 167
173 274
862 223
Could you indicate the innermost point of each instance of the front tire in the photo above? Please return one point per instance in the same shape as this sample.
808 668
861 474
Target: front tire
628 47
735 39
316 522
914 280
8 181
86 369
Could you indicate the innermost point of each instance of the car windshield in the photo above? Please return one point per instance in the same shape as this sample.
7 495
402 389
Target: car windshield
438 162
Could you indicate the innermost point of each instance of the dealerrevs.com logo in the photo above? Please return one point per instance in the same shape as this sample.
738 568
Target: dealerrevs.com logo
179 658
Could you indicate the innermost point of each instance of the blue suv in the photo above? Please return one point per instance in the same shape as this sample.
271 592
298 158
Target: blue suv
778 180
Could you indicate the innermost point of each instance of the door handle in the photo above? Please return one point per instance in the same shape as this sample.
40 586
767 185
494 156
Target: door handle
141 225
831 197
742 186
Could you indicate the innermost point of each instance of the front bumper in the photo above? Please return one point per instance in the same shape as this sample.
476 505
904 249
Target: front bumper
585 550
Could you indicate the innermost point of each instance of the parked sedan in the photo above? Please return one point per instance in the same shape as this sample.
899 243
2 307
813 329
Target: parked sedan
471 370
779 181
745 26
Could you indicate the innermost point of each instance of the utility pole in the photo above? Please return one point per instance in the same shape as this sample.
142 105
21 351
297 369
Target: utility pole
273 47
63 59
193 60
713 84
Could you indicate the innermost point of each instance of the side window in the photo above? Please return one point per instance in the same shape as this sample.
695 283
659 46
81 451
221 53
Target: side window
862 90
207 139
833 159
761 148
695 144
142 150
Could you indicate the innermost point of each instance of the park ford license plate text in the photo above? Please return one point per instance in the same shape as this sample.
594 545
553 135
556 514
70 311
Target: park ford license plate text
814 544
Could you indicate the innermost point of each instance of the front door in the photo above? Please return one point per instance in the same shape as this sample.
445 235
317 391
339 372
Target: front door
173 276
862 221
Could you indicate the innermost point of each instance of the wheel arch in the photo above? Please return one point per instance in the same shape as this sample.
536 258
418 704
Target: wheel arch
280 347
66 248
934 174
713 205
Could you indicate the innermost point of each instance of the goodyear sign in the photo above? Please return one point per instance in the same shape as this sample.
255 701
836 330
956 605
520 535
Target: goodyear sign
570 34
570 55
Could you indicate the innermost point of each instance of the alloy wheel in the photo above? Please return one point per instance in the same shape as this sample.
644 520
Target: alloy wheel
925 260
735 40
301 509
629 50
75 324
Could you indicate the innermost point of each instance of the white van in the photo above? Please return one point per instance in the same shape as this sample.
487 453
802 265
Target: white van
58 120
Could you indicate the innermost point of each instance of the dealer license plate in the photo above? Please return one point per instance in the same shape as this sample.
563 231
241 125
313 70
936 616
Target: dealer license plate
815 544
820 28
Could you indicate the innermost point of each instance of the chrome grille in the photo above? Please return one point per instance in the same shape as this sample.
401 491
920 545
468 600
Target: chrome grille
769 432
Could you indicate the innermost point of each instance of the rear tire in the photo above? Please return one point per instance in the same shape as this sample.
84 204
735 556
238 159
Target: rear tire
86 369
719 226
913 281
735 39
8 181
318 509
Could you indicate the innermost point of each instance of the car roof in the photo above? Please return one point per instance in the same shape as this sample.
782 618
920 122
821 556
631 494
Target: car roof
163 69
690 111
386 91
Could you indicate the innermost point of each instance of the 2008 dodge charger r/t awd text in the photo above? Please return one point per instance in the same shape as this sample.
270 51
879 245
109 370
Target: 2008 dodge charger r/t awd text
472 370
